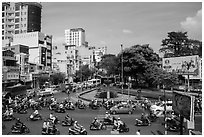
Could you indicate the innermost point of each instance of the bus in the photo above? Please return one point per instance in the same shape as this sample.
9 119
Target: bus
94 82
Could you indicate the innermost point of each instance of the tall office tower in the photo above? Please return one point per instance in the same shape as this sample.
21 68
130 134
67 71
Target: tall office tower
75 37
20 17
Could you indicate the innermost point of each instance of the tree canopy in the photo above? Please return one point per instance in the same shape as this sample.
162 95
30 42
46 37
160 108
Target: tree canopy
177 44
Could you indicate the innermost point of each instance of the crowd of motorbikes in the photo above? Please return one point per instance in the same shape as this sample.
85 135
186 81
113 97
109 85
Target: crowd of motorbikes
21 104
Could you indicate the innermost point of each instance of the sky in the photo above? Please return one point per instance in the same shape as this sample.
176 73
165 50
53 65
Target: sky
129 23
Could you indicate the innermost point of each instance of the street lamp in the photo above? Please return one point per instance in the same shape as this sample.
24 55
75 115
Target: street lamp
122 68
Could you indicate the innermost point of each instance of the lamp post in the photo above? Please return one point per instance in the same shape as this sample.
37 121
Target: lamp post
165 119
129 79
122 68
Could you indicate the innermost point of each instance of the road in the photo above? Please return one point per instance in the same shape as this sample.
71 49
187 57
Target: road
85 117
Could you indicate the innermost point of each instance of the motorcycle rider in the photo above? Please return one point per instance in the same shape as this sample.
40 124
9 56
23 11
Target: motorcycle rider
52 117
77 127
45 126
119 123
35 113
96 122
6 113
18 124
68 118
144 119
10 112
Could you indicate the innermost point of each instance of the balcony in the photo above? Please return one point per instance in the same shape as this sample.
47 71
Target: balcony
10 11
10 29
10 22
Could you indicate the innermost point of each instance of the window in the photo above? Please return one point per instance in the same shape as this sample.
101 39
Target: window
2 20
2 26
3 8
24 25
16 20
17 14
16 31
3 14
16 26
2 32
17 7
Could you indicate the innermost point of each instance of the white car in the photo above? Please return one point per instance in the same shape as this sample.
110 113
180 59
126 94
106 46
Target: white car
160 107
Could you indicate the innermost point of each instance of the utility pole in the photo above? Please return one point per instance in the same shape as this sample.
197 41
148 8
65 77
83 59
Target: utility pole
122 68
165 119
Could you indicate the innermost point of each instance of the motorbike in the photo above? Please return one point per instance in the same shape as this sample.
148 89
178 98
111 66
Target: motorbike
8 118
22 111
122 128
60 110
100 126
35 118
73 131
70 107
50 131
56 121
68 122
81 106
109 121
20 130
152 117
139 122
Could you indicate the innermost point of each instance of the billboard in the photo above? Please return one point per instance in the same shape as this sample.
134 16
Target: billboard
183 104
179 65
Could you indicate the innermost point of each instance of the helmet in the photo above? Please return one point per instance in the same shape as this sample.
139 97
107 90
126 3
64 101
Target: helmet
118 118
18 119
75 122
95 118
106 112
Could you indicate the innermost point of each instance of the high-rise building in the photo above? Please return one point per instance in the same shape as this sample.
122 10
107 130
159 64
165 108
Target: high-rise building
75 37
20 17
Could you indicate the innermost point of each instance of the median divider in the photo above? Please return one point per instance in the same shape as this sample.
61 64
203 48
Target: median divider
85 92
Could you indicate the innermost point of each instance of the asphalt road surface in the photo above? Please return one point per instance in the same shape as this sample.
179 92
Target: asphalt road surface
85 117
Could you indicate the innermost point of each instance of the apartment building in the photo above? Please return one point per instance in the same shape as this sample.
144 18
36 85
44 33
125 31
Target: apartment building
20 17
10 69
40 47
76 37
21 55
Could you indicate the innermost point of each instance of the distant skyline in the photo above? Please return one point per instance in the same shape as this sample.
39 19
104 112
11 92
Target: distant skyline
114 23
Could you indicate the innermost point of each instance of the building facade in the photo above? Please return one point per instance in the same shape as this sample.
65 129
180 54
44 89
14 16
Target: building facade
10 69
21 55
20 17
40 47
76 37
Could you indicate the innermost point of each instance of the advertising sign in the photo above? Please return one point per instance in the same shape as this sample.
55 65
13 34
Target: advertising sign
180 65
183 104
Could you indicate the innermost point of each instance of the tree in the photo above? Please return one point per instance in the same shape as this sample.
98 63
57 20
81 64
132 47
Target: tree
83 73
157 76
177 44
57 78
42 79
135 61
109 63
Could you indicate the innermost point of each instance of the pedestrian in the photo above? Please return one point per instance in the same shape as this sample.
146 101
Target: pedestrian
138 132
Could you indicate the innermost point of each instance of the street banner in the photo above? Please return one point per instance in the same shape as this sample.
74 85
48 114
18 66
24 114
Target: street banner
183 104
179 65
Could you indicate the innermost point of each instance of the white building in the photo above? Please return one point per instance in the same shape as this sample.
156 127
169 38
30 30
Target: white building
99 52
75 36
40 47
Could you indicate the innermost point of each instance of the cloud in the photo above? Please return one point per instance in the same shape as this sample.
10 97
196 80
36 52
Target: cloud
126 31
193 25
